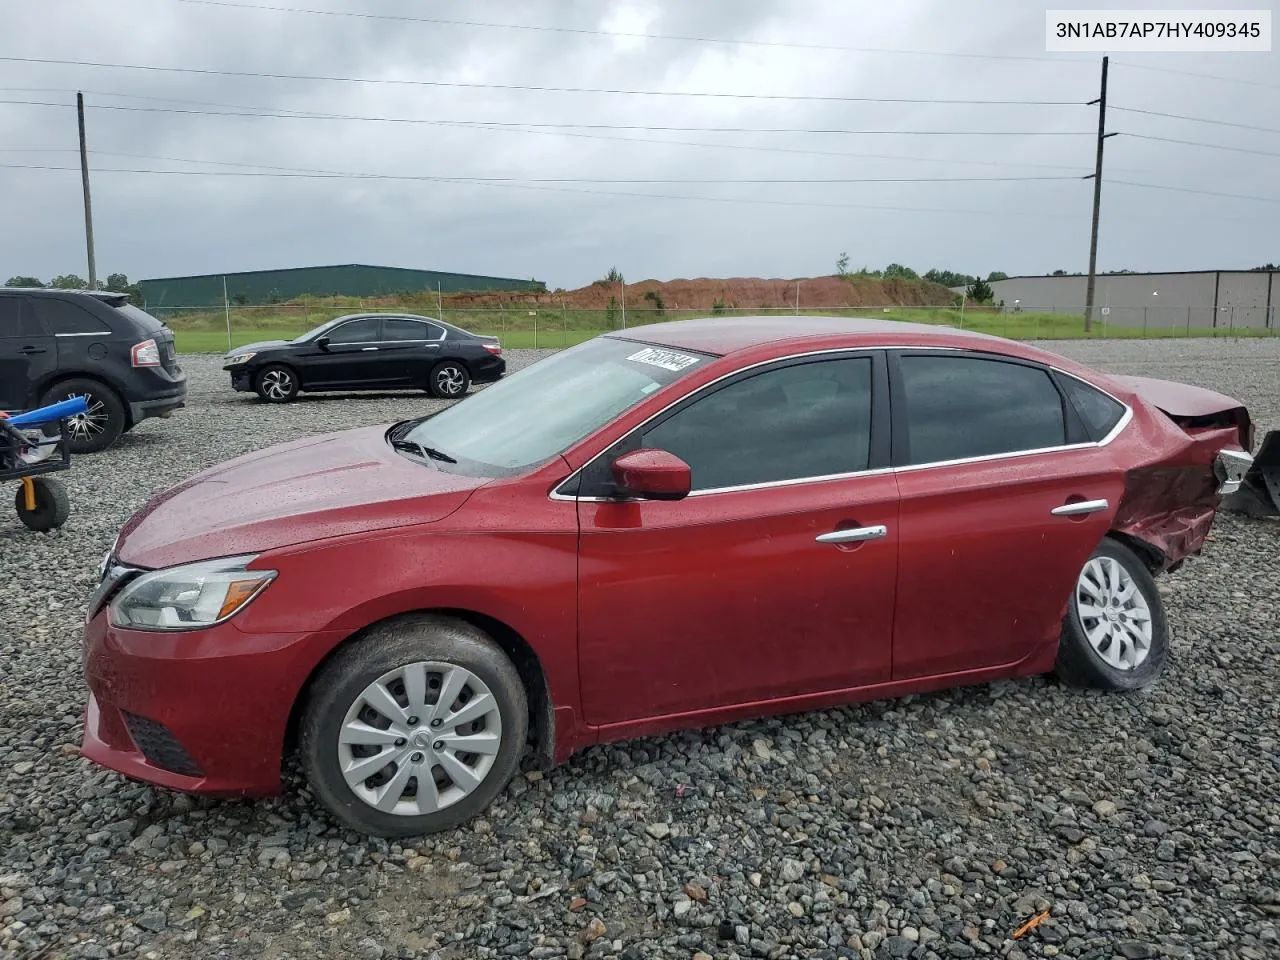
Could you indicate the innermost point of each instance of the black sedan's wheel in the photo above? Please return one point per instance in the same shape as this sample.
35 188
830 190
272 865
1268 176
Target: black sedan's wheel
276 383
100 425
449 379
414 728
52 505
1115 635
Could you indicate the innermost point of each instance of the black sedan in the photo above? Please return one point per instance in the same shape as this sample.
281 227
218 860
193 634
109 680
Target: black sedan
368 351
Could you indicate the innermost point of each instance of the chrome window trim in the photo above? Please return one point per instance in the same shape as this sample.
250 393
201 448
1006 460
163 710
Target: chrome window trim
90 333
1123 422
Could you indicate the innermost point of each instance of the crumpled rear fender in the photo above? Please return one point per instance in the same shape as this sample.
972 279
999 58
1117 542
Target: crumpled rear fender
1169 502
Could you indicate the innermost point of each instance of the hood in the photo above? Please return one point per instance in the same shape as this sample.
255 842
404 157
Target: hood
323 486
255 347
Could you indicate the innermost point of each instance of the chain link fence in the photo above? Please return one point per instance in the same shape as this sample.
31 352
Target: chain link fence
557 325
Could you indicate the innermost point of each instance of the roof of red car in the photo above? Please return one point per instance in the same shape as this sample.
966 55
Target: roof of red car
724 335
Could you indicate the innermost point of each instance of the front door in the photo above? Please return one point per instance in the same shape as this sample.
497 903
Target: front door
775 578
1004 498
27 352
350 359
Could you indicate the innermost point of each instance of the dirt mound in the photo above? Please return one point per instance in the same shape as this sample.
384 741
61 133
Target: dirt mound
703 293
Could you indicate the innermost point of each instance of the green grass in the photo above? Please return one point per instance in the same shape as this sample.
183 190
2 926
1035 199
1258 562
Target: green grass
205 331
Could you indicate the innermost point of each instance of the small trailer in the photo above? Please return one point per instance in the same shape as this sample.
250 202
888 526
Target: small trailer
29 453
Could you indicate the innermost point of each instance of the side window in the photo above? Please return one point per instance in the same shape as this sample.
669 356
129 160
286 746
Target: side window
62 316
14 321
400 330
1099 412
959 407
804 420
364 330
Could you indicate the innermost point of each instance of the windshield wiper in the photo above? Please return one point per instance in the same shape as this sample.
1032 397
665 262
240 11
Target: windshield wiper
413 446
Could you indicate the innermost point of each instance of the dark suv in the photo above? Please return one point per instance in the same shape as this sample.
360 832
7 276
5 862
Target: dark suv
56 344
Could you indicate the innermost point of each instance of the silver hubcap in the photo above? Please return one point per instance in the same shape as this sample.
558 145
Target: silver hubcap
449 380
419 738
92 423
1113 613
277 384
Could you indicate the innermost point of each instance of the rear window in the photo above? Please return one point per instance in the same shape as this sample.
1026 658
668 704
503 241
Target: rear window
1098 411
140 318
62 317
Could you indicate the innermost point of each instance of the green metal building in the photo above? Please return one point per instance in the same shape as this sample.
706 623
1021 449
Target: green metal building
348 280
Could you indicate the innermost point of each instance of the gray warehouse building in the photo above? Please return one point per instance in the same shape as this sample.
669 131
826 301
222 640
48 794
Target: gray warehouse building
1203 298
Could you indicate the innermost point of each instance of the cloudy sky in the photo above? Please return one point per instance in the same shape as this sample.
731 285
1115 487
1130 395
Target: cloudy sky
564 211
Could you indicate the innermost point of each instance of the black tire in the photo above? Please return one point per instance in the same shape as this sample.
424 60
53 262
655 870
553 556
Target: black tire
276 383
98 428
53 506
449 380
397 643
1080 663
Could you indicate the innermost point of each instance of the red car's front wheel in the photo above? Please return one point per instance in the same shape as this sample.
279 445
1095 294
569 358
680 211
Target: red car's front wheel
415 727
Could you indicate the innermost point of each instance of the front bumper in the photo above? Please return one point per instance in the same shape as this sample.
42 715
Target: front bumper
241 379
201 712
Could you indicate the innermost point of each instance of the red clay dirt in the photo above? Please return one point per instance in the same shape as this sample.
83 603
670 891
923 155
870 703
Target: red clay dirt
739 292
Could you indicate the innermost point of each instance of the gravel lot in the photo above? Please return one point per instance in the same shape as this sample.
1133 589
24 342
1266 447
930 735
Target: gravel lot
1147 825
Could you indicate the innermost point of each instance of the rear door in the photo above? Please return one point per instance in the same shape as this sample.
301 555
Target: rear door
1004 497
27 353
349 360
409 349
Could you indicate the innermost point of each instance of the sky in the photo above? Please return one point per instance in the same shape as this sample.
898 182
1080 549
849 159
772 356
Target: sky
550 205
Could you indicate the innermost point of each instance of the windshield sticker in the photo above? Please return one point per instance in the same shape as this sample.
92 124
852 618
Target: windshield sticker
649 388
666 359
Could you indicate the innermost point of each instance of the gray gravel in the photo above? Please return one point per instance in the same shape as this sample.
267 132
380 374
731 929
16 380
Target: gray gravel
1145 825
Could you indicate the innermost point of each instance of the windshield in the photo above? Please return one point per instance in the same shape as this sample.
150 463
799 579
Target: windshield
313 333
542 410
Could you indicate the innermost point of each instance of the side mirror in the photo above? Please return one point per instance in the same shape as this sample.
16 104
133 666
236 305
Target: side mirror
652 475
323 343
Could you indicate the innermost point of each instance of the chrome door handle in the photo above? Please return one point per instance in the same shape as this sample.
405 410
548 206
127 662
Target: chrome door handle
365 349
856 534
1076 509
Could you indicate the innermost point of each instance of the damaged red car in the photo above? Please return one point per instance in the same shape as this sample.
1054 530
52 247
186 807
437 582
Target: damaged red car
673 526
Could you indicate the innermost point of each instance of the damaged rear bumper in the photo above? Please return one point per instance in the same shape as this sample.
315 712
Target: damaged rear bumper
1251 485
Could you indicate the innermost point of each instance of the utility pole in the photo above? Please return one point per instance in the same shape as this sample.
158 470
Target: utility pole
622 284
88 207
1097 198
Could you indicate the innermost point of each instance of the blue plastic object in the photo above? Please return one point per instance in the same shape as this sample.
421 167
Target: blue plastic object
50 414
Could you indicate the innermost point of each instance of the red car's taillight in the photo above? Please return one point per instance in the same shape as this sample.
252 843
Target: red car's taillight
146 354
494 348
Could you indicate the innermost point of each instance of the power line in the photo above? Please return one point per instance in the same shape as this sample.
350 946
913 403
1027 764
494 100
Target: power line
1206 193
472 179
1180 116
476 85
660 196
623 34
1199 76
294 115
755 148
1198 143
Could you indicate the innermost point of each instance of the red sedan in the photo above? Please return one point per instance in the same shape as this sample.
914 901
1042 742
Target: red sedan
679 525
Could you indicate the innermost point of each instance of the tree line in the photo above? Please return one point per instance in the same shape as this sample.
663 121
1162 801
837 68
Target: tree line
116 283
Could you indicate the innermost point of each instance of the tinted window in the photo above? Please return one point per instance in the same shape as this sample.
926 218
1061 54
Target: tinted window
1098 411
804 420
62 316
14 321
959 407
394 328
357 331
